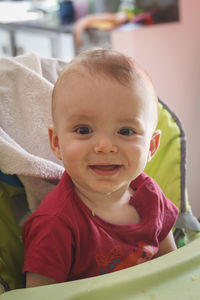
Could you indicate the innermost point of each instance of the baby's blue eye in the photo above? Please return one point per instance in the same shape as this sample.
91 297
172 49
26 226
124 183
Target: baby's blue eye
83 130
126 131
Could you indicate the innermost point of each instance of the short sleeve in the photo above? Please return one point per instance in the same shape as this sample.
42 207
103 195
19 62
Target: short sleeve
168 216
48 247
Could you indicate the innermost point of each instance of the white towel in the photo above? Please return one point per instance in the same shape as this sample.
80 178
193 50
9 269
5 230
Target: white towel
25 113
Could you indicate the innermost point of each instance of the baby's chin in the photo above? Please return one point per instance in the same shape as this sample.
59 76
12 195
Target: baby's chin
102 186
109 189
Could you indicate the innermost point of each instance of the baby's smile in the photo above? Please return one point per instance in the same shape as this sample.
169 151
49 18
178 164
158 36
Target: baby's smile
105 169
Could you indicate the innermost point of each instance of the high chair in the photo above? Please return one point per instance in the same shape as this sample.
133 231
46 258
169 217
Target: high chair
172 276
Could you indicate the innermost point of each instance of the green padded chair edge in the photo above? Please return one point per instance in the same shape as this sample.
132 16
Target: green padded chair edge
10 231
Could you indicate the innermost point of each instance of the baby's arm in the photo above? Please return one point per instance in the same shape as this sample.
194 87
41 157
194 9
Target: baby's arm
44 267
34 279
167 245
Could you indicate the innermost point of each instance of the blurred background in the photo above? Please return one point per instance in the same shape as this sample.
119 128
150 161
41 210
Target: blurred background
162 35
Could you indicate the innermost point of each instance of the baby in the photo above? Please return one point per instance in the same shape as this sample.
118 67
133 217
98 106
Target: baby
105 214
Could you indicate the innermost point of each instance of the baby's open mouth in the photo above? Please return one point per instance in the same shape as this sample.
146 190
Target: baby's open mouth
105 170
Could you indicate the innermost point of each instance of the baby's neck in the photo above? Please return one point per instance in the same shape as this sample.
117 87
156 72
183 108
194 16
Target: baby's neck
111 207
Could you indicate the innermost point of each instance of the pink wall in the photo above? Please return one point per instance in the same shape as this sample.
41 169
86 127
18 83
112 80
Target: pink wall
171 54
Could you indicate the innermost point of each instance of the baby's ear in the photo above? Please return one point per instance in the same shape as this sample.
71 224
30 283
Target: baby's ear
154 144
54 141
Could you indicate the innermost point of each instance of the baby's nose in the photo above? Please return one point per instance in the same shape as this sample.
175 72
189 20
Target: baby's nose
105 144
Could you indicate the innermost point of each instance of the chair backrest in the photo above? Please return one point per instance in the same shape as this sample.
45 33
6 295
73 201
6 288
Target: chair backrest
168 166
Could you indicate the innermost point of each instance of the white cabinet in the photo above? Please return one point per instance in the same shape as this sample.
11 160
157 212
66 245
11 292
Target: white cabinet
5 43
65 46
46 43
27 42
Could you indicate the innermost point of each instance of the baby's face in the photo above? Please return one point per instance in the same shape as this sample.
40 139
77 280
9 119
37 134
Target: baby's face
103 132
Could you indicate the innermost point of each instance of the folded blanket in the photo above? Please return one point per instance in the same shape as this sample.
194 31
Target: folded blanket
26 84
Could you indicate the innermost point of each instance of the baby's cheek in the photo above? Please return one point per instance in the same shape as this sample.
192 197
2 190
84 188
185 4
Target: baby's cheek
137 153
71 150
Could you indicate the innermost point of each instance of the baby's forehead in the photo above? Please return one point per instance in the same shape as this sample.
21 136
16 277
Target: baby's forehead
139 86
77 71
137 80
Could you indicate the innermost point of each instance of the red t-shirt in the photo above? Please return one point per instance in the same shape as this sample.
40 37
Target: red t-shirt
64 241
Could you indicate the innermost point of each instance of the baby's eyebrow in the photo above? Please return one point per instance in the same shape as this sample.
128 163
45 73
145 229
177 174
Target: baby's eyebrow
77 117
131 120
